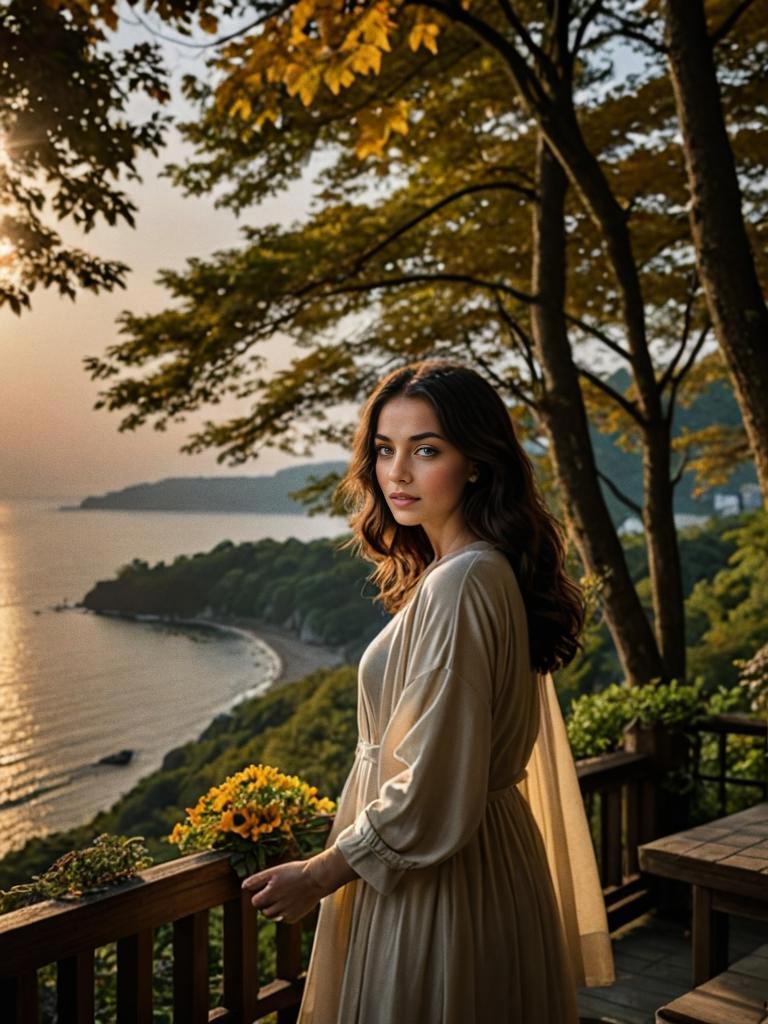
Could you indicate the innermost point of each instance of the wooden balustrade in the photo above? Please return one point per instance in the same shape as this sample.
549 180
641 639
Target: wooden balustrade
622 785
183 892
723 726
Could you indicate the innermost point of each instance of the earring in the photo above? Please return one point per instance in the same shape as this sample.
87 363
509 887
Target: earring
473 478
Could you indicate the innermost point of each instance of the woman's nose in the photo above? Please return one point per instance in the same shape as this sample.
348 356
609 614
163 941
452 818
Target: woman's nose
398 471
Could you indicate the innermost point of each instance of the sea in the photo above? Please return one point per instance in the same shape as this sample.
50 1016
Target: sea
76 687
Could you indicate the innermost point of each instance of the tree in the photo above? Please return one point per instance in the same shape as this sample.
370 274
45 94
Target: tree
724 255
63 135
457 227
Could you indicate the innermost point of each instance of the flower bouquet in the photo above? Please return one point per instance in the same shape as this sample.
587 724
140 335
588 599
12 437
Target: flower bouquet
259 814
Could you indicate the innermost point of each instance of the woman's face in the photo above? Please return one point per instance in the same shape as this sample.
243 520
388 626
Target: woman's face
413 457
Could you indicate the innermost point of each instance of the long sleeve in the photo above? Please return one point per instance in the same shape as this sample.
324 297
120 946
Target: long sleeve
440 731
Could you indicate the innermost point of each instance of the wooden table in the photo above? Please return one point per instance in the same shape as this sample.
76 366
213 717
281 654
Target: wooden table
726 862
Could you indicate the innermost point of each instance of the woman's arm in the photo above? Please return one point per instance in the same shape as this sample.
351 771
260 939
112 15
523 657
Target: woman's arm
329 870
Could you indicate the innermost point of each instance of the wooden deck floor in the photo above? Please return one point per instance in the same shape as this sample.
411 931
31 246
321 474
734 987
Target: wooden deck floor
653 965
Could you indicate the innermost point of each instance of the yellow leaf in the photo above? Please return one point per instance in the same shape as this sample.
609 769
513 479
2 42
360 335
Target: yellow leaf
368 146
423 34
241 107
397 118
367 58
305 82
268 114
337 76
376 25
301 14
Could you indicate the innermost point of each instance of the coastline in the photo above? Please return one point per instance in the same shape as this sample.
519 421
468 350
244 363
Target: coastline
284 659
297 657
291 657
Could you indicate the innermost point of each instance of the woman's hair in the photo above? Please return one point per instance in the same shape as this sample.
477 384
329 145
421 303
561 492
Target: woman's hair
504 506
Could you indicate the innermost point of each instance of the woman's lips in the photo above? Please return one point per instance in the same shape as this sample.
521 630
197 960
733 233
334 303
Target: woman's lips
402 502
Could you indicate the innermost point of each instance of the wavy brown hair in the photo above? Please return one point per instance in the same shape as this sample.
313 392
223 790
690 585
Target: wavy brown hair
504 505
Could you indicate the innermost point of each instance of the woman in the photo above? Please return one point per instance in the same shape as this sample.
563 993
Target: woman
448 885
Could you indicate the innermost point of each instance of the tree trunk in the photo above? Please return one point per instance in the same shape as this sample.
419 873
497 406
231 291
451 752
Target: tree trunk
561 128
664 564
723 254
564 419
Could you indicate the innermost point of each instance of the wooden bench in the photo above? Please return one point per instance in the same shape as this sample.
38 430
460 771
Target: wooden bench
737 996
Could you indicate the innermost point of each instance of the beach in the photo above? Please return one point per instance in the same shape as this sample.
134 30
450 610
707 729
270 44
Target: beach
291 658
297 657
76 688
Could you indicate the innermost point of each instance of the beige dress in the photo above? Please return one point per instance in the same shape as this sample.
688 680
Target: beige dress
455 918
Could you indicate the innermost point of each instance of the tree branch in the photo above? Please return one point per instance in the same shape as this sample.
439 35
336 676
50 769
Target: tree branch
676 379
518 27
675 480
510 186
525 80
589 16
408 279
668 372
628 406
623 498
516 331
633 30
728 22
501 382
278 9
600 335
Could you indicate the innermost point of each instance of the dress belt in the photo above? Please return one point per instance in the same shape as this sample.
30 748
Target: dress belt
370 752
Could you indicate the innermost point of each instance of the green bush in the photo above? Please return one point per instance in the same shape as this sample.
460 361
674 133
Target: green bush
597 720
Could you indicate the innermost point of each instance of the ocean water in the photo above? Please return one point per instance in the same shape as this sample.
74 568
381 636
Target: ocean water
75 687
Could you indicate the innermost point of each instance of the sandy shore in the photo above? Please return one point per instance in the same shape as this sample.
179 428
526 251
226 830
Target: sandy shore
297 658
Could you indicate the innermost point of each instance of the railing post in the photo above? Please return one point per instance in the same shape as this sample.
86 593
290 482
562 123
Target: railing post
667 752
610 835
190 969
241 958
134 978
722 767
288 938
632 825
74 989
19 999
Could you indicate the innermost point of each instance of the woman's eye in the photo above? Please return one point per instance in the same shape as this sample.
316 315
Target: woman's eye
424 447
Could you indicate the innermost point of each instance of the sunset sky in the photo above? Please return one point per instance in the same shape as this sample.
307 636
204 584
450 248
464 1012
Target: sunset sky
53 442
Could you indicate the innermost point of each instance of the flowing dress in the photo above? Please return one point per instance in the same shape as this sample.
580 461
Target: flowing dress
455 918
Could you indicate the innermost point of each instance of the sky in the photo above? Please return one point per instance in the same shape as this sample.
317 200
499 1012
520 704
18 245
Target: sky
52 441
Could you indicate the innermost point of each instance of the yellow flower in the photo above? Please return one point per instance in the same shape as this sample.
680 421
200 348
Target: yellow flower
178 833
240 821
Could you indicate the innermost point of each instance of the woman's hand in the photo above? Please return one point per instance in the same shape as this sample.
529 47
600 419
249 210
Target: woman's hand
287 892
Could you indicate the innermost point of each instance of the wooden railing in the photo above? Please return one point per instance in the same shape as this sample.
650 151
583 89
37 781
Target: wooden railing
618 793
619 798
182 891
723 726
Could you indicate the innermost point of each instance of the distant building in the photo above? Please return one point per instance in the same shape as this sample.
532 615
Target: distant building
683 519
731 503
750 496
726 504
634 524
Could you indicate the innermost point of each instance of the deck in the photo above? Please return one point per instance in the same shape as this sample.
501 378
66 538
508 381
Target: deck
653 966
